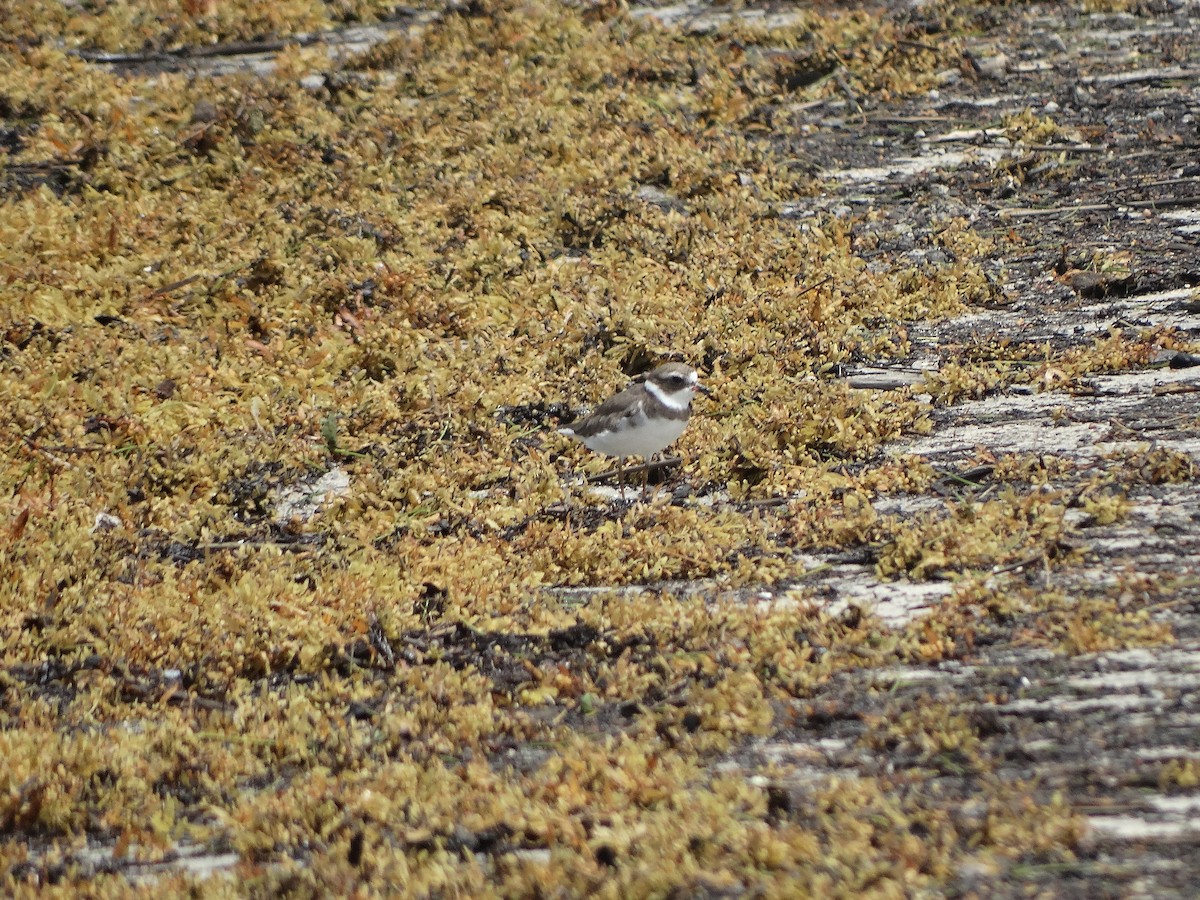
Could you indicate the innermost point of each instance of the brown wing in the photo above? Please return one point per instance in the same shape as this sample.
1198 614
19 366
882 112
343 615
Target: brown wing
608 415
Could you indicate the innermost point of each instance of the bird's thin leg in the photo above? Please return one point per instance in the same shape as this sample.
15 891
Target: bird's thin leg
645 475
568 502
621 474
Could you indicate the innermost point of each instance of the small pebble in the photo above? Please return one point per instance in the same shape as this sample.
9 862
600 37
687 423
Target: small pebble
105 522
993 66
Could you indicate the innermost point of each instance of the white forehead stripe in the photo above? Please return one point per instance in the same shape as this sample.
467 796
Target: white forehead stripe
678 401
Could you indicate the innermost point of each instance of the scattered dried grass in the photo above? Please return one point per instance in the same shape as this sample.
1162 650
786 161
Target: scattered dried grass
217 287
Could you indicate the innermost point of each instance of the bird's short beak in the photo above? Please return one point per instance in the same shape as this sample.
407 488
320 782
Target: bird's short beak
707 392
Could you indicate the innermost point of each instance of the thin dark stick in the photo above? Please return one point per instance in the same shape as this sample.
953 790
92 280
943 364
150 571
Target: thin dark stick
649 466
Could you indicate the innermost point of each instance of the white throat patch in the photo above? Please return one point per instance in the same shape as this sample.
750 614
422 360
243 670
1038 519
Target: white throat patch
678 402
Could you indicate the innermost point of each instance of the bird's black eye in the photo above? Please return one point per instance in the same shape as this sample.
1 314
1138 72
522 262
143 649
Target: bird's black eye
677 381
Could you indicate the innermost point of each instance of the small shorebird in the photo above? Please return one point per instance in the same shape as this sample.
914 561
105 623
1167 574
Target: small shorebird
642 419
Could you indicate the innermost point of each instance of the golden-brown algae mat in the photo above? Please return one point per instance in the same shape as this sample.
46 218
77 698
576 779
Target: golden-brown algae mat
380 281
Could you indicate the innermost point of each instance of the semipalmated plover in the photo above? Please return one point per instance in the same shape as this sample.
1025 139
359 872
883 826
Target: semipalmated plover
642 419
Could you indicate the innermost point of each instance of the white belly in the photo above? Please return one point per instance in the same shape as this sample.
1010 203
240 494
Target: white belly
643 439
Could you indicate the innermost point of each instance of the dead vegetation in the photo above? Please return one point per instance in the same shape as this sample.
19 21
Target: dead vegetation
404 267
